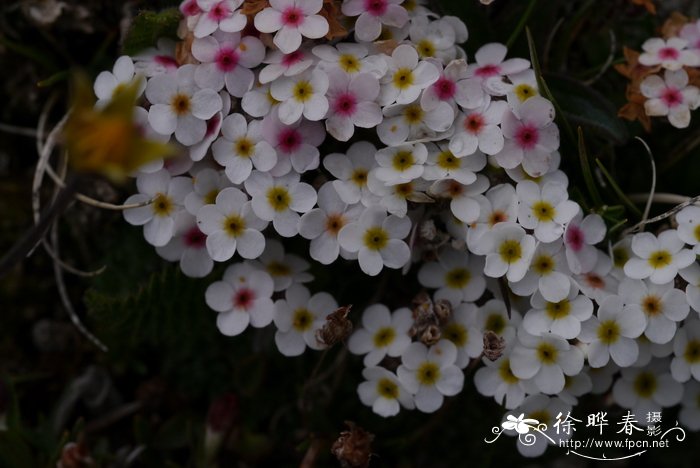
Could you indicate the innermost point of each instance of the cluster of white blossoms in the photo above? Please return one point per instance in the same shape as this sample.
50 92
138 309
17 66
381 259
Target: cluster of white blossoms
668 92
389 148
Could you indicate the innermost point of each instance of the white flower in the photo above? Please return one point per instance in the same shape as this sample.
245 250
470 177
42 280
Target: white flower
218 14
464 203
303 94
562 318
321 225
188 246
298 316
576 386
544 410
498 381
547 274
691 33
371 16
394 198
411 122
158 218
478 129
383 392
498 205
280 200
598 283
670 96
352 172
382 333
292 19
454 87
611 333
658 258
490 62
692 292
510 253
226 59
400 164
406 77
456 275
443 164
546 209
580 236
284 268
689 415
662 304
376 238
242 297
352 103
462 331
647 389
493 316
689 226
296 144
350 58
258 102
545 359
671 54
430 374
231 226
531 137
107 84
179 107
686 350
207 185
241 147
433 38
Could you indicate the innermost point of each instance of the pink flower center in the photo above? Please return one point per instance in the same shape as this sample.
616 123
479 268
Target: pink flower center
289 140
226 59
194 238
376 7
672 97
574 238
594 280
293 58
345 104
488 71
190 8
668 53
527 137
244 298
474 123
445 89
219 12
166 61
292 16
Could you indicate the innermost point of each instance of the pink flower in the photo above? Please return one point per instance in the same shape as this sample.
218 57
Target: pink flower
671 54
296 144
490 62
580 236
372 14
292 19
216 14
351 100
453 87
670 96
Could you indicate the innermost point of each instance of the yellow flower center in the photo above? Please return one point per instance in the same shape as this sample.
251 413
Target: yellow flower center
403 190
376 238
456 333
210 198
234 225
608 332
303 320
163 205
497 217
403 78
692 352
542 416
660 259
557 310
180 104
387 388
506 373
696 232
413 114
543 264
510 251
524 92
651 305
334 223
425 48
620 257
402 160
384 337
243 147
447 160
428 373
303 91
278 269
495 323
359 177
547 353
543 211
645 384
457 278
349 63
278 198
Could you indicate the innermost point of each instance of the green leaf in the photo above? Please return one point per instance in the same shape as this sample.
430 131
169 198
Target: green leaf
583 106
148 27
586 169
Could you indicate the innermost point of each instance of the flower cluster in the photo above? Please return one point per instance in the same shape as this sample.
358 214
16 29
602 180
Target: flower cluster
389 148
664 77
